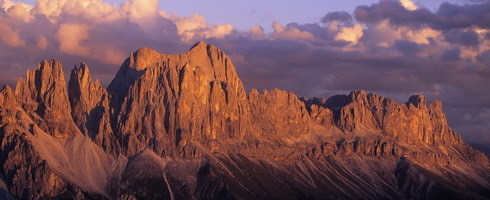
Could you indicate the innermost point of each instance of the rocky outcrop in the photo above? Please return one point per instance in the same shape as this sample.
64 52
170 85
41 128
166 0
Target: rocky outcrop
90 108
364 114
85 96
26 172
279 114
44 97
176 99
183 127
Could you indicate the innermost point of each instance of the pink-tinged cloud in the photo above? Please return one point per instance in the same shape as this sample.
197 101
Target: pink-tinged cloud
350 34
70 37
42 42
10 37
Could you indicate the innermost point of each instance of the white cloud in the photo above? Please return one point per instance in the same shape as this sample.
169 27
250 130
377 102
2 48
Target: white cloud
96 10
141 12
18 10
196 27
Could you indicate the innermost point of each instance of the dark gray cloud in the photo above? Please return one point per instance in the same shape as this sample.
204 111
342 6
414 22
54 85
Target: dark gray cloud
484 57
340 16
451 16
451 54
408 48
467 38
448 16
313 28
393 11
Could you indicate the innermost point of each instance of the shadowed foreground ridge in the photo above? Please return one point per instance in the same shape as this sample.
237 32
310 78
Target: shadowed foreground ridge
183 127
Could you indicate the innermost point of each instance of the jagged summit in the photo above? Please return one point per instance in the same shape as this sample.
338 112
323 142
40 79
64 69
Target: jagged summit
418 101
143 58
199 45
184 123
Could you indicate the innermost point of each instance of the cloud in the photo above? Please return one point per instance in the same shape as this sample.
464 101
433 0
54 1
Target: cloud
196 27
70 37
10 37
408 4
408 48
140 10
350 34
484 57
467 38
451 54
257 32
56 10
339 16
42 42
421 36
19 11
448 16
290 33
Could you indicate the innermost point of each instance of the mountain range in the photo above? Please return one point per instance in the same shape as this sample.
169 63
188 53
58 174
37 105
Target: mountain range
183 127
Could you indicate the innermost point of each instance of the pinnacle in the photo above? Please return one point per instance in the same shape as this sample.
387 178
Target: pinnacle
6 89
198 45
52 65
359 94
82 68
417 100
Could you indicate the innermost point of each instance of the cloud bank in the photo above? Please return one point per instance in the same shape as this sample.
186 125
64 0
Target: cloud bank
394 48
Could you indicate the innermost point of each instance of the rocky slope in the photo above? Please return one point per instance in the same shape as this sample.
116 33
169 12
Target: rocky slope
183 127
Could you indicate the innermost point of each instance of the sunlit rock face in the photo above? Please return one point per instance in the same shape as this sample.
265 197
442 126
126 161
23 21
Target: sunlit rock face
183 127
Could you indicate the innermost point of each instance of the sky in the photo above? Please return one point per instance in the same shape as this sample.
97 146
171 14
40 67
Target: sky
395 48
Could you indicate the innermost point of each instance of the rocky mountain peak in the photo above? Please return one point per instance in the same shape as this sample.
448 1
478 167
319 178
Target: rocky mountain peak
48 76
7 95
82 87
192 96
132 68
143 58
90 108
418 101
43 95
358 95
199 46
81 73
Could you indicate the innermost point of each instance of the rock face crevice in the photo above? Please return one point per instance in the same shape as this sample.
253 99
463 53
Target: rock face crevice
185 123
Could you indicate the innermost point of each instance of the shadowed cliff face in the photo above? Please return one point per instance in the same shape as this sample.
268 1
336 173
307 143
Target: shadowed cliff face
183 127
